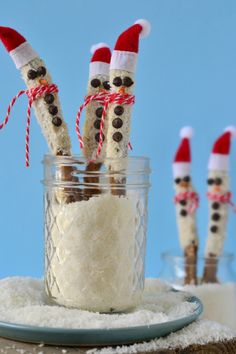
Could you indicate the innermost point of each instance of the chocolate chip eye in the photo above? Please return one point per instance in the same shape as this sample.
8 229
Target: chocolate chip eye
187 179
177 180
95 83
117 81
210 181
41 71
127 81
106 85
218 181
32 74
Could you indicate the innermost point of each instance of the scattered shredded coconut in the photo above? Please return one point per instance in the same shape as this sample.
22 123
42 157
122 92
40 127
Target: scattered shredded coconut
219 302
94 252
22 300
199 332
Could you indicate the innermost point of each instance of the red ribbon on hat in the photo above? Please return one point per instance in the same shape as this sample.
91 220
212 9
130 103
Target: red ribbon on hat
33 94
191 196
225 198
105 99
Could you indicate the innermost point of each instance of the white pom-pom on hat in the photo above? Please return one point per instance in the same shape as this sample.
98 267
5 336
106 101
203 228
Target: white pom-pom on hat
231 129
146 27
98 46
186 132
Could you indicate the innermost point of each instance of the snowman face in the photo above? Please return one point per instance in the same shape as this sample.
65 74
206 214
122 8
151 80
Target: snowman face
183 184
98 83
122 81
218 182
35 73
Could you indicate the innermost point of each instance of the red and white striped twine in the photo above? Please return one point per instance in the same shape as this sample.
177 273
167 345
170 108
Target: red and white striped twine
33 94
191 196
105 99
225 198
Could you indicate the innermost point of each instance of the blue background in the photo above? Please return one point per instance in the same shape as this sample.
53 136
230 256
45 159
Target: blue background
186 75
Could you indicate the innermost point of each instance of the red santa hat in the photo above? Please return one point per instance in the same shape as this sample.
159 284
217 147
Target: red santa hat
124 55
100 61
19 49
182 160
219 157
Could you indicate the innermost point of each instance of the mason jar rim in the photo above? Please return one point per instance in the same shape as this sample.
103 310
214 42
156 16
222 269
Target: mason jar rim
134 169
57 158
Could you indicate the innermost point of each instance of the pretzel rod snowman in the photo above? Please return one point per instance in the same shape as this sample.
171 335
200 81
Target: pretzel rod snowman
186 203
122 76
219 200
98 82
46 102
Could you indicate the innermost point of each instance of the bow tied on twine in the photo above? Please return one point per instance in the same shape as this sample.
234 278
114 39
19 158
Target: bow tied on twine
105 99
225 198
33 94
192 197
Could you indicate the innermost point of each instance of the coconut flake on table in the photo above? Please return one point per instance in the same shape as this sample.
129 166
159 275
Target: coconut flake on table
199 332
219 302
22 300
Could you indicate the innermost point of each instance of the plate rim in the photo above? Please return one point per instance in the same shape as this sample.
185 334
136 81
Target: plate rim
59 330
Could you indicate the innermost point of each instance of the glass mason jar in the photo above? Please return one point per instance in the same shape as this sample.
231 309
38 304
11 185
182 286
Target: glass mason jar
216 284
95 232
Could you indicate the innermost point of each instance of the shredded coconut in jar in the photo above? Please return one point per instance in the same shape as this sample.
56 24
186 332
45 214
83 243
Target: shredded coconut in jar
93 253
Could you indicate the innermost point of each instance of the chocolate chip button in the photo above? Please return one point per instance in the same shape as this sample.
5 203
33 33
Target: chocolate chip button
41 71
49 98
99 111
97 124
214 229
215 205
32 74
215 216
183 212
117 81
183 202
57 121
117 137
119 110
53 110
97 137
117 123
